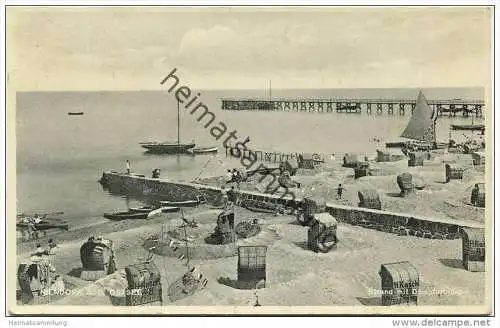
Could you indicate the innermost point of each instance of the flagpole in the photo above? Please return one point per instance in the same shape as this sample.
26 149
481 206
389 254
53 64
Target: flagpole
186 239
178 124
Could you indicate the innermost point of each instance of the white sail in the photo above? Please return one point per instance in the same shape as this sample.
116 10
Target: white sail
422 122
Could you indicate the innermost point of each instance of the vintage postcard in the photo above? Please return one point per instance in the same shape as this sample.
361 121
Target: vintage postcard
249 160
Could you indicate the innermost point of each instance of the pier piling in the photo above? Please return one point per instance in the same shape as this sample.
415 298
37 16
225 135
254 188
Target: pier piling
383 106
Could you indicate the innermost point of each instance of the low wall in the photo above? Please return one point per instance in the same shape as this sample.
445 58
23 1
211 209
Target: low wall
398 223
156 189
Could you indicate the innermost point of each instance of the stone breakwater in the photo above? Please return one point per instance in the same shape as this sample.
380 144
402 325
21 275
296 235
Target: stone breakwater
391 222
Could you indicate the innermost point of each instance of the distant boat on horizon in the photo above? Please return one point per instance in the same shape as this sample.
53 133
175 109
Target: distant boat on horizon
76 113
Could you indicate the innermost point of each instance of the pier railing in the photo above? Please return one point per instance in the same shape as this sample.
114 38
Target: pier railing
355 106
270 157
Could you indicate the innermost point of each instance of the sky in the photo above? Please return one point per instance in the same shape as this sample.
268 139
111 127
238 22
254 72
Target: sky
235 48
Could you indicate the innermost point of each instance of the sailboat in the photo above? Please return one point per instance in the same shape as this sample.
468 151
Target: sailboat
421 129
169 147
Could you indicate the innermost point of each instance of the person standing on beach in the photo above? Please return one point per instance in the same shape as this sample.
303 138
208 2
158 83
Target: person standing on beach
474 194
231 195
127 166
229 176
340 189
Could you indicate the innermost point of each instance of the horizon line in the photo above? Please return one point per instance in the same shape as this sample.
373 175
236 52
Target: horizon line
253 89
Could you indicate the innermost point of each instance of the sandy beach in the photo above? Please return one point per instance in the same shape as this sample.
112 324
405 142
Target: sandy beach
297 276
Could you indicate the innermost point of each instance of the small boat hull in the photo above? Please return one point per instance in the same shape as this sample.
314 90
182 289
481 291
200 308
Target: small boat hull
201 151
46 225
125 216
422 145
75 113
166 148
468 127
187 203
144 209
170 209
397 144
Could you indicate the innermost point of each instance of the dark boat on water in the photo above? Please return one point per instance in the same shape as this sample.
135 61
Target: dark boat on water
202 150
172 148
75 113
45 224
166 147
468 127
126 215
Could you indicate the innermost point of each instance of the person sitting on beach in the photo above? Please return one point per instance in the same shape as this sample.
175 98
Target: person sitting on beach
156 174
39 251
36 219
51 246
235 175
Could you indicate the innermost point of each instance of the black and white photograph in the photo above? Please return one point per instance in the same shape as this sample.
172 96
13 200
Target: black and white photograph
333 160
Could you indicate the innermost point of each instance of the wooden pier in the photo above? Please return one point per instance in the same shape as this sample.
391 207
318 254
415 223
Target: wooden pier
271 157
356 106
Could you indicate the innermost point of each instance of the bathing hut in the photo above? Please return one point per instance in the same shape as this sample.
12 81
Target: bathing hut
143 284
416 159
252 266
405 183
453 172
97 258
362 169
34 277
310 206
400 283
481 196
369 198
473 249
308 161
224 231
290 165
322 235
478 158
350 160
